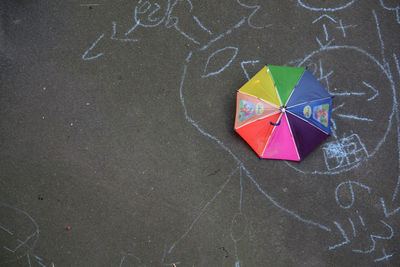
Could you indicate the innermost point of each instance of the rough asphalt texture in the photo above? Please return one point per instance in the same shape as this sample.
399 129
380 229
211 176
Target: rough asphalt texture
118 149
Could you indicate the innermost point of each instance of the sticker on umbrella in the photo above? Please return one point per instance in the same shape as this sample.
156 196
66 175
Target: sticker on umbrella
283 112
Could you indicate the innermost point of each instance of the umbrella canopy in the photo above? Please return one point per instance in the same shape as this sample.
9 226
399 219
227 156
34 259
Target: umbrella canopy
283 112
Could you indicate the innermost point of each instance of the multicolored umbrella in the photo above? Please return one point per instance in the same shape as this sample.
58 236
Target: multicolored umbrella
283 112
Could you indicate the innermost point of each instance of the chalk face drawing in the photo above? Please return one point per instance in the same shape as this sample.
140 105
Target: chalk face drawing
356 100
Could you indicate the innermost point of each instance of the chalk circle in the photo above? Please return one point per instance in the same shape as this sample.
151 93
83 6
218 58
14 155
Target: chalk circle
352 142
315 5
146 13
18 233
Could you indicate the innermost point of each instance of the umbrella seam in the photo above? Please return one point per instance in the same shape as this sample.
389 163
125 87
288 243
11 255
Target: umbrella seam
269 137
307 122
258 98
291 133
307 102
276 89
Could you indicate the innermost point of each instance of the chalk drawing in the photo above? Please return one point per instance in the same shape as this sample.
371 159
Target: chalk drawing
215 54
386 66
243 63
322 76
324 45
238 229
150 15
202 211
222 35
345 93
344 152
373 239
243 169
129 259
85 54
386 212
236 159
340 155
382 43
353 149
349 185
335 151
113 36
344 27
385 257
19 234
344 235
342 5
353 227
361 219
133 28
324 16
144 18
202 26
173 21
255 8
353 117
326 32
145 12
330 19
396 190
395 9
239 223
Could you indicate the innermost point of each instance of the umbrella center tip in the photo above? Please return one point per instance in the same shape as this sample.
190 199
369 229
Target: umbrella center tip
283 109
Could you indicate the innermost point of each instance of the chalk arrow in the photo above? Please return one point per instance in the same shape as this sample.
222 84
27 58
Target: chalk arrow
347 93
376 93
373 89
85 55
353 117
388 213
324 46
113 36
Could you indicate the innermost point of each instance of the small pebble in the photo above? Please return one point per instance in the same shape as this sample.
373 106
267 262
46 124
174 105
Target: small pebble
68 228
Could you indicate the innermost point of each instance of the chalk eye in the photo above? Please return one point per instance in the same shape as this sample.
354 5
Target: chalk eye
222 56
